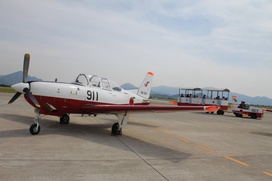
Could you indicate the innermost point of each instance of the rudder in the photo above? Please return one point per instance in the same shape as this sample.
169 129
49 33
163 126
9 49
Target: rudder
145 88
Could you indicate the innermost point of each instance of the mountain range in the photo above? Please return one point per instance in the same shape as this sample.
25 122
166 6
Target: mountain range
156 92
173 93
15 78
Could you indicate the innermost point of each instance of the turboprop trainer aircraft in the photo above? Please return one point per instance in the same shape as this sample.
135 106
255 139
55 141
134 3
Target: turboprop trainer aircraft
89 94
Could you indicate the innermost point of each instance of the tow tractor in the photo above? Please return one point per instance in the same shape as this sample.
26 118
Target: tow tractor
204 97
245 110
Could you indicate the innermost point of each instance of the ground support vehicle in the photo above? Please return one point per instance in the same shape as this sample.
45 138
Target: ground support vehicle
204 97
245 110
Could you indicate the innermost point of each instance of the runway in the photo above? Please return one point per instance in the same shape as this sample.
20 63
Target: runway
166 146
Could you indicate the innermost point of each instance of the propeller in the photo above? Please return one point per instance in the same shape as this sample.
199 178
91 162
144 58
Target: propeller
26 67
24 87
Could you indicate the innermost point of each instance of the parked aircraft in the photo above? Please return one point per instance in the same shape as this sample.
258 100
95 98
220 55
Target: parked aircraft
89 94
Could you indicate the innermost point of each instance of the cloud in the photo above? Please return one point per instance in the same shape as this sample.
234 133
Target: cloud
190 43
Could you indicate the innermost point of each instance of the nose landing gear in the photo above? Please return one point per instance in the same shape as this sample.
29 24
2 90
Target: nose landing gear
35 128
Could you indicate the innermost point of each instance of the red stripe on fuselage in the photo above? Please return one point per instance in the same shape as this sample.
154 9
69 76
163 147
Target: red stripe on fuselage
65 106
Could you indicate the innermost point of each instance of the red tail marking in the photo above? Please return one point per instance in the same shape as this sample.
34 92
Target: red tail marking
146 84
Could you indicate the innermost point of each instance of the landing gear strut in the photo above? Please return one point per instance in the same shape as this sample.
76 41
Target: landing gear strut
64 119
35 128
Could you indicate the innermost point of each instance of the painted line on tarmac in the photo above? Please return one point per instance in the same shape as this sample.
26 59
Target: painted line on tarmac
167 133
137 121
172 135
268 173
205 148
183 139
237 161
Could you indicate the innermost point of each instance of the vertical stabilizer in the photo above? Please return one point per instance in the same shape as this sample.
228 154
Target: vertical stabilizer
145 88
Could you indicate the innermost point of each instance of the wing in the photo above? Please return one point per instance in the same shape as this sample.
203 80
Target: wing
115 109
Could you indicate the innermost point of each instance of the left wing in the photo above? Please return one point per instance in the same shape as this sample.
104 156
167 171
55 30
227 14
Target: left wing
115 109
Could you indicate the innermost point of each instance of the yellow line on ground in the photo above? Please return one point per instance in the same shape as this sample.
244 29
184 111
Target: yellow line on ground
167 133
268 173
183 139
135 120
204 148
237 161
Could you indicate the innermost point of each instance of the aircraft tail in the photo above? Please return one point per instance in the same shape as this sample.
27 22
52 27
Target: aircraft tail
145 88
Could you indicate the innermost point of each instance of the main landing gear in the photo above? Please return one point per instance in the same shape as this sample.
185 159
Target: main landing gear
64 119
116 130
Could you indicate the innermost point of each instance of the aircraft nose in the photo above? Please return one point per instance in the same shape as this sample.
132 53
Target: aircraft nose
20 87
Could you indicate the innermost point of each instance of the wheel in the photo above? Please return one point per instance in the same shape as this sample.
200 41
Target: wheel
220 112
34 130
238 115
116 130
212 112
253 116
64 119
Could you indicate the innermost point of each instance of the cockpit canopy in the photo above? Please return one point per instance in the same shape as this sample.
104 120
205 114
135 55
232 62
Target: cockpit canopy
96 81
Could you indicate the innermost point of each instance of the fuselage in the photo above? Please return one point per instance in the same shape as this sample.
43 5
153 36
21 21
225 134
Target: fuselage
70 97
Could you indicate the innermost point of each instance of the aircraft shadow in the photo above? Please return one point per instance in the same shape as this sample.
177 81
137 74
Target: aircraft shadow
262 134
130 122
97 133
204 113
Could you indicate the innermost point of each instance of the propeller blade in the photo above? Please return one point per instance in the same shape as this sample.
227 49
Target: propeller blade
26 66
14 97
32 98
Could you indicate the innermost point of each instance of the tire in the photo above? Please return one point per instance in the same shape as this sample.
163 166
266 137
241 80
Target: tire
64 119
220 112
238 115
33 129
115 129
253 116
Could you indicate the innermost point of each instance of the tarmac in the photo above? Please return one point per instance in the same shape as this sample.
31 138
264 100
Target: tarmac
154 146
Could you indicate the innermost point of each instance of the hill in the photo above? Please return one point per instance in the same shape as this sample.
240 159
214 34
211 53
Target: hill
173 93
14 78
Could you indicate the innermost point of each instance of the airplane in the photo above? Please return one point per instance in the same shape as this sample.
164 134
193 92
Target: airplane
89 94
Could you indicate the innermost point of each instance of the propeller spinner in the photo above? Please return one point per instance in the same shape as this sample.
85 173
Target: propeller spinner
24 87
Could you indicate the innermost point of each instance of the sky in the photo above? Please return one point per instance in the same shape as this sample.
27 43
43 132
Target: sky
185 43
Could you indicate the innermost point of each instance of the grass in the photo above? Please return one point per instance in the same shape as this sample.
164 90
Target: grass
7 90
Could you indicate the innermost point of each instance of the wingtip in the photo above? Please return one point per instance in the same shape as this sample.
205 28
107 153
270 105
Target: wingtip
150 73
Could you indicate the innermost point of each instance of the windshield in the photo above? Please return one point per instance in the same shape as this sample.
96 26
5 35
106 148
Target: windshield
115 86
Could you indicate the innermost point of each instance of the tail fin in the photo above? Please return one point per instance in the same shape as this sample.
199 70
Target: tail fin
145 88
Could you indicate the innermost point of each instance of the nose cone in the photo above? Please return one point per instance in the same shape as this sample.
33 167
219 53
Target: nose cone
20 87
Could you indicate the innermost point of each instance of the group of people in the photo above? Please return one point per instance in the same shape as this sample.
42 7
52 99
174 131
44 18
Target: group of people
204 96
